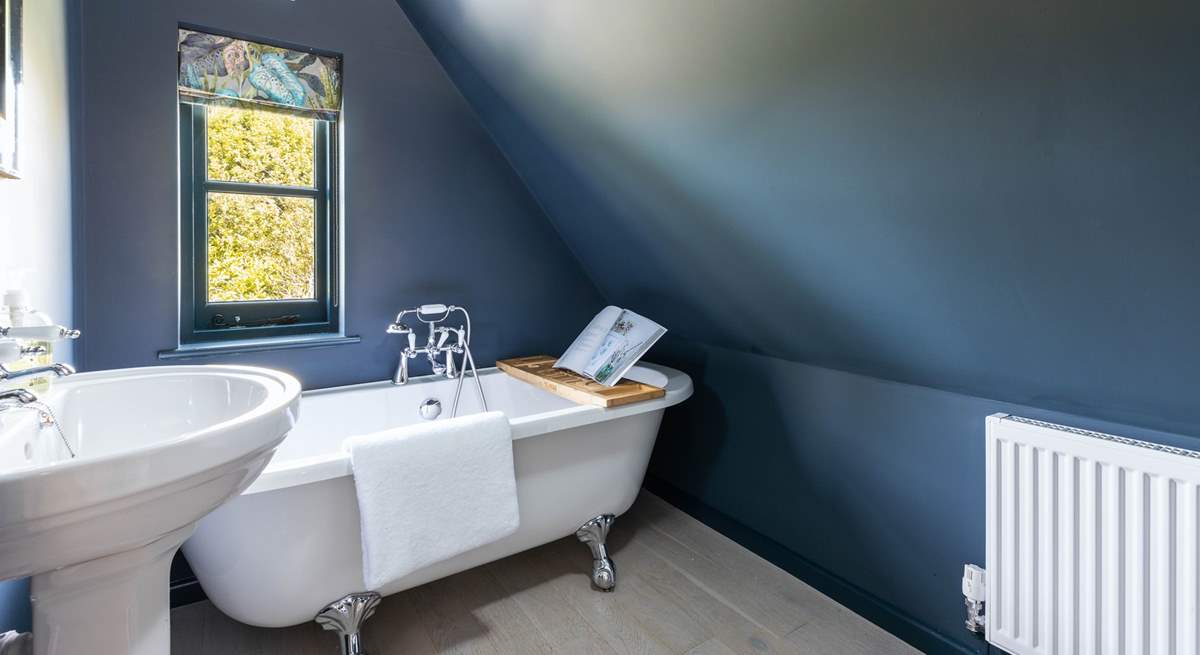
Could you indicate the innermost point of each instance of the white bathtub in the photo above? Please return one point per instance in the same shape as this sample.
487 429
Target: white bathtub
289 545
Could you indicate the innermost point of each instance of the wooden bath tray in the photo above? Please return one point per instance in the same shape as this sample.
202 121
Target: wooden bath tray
539 371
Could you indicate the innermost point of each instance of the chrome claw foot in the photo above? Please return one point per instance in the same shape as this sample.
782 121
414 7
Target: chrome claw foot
604 574
594 533
346 617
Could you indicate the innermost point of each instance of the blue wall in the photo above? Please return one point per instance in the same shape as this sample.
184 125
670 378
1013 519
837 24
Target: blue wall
868 225
870 490
433 211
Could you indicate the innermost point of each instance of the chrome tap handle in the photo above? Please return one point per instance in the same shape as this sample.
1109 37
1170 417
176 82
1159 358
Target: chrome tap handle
39 333
440 348
452 370
19 396
431 351
58 369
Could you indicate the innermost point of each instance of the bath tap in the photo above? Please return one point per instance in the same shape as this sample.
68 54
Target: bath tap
436 345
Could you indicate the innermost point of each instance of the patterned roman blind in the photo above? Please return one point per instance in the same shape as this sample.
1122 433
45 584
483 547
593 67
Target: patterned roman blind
223 69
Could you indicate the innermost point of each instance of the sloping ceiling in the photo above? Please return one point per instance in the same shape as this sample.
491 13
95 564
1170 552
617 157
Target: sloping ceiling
996 198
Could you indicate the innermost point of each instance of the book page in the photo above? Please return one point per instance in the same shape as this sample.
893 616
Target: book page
588 341
625 342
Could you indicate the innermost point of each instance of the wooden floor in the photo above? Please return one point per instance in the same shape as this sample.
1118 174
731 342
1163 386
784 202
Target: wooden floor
683 589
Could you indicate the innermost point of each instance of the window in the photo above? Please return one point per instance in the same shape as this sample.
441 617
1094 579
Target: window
259 233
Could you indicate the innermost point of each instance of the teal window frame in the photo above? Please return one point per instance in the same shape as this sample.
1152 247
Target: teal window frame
201 320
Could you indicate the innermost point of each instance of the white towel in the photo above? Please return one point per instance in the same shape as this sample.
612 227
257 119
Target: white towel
431 491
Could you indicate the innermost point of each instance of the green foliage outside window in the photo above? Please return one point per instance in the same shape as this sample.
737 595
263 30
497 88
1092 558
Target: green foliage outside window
260 247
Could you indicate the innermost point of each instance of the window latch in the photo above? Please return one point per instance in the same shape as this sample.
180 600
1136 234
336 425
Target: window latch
220 322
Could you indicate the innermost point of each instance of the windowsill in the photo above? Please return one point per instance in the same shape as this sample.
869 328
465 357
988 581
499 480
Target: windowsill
190 350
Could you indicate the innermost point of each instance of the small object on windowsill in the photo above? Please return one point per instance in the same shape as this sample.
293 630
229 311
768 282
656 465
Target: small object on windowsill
220 322
539 371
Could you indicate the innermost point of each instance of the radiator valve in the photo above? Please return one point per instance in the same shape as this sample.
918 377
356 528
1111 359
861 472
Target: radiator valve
974 588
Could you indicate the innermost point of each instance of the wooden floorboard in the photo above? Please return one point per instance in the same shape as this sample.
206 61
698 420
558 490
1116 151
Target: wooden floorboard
736 631
683 589
825 627
537 586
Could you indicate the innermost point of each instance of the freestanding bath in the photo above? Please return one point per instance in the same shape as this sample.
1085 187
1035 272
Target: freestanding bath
289 545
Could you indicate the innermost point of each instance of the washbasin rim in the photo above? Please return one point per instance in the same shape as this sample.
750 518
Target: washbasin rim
282 388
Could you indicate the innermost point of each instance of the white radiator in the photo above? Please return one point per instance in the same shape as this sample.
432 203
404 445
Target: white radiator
1092 542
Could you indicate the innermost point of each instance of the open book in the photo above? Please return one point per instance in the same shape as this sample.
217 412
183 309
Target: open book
610 345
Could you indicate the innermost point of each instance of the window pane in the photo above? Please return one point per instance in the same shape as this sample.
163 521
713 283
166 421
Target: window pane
260 247
259 147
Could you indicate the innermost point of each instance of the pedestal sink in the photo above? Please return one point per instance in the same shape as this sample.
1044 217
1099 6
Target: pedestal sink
155 449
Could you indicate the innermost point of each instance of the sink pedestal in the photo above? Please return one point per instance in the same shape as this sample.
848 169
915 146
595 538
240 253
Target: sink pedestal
113 605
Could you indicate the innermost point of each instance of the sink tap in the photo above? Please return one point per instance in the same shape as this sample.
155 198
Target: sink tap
16 398
59 370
